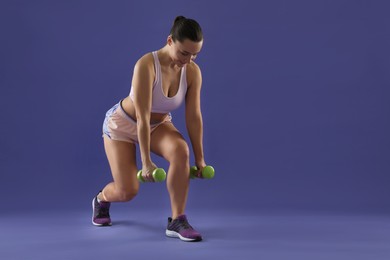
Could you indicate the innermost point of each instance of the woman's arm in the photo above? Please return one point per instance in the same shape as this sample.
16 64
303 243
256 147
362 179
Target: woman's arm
193 112
143 84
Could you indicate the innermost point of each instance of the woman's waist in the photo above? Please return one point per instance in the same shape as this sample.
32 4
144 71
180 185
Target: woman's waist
129 110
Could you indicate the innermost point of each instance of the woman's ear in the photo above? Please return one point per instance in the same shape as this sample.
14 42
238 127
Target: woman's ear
169 40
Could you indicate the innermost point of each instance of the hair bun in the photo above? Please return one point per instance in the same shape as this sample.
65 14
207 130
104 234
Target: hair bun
186 28
179 18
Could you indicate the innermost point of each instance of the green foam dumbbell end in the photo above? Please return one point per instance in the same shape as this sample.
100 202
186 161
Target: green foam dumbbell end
139 176
208 172
193 170
159 175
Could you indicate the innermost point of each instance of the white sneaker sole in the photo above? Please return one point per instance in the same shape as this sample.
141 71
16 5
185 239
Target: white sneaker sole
170 233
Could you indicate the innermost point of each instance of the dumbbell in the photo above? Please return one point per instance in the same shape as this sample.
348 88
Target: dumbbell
207 172
158 174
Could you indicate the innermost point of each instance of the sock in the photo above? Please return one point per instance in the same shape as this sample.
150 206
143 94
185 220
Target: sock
98 200
104 199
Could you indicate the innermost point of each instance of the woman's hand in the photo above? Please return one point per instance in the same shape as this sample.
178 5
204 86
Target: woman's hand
200 165
147 171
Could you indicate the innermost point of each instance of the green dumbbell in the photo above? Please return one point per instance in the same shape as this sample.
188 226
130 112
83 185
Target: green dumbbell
158 174
207 172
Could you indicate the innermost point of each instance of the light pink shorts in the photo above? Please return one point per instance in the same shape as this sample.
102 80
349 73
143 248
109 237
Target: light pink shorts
118 125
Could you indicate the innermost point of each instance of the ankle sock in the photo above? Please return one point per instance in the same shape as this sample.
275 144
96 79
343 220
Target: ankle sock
97 197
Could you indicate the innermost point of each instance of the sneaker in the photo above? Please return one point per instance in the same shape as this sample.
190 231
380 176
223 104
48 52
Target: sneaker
101 214
180 228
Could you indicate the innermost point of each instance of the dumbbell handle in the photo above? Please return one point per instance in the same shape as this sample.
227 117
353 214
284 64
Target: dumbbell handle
207 172
158 174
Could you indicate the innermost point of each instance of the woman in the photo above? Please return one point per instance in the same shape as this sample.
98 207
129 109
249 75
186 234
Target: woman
161 81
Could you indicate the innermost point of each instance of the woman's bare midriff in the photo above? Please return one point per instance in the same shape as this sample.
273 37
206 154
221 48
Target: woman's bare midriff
129 108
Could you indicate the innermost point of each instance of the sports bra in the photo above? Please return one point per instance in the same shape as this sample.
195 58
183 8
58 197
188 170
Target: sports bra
161 103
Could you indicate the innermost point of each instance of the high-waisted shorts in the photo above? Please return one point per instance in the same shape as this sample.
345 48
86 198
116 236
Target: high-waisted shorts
118 125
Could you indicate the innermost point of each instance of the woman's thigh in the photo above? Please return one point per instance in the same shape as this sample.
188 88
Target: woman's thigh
121 157
168 142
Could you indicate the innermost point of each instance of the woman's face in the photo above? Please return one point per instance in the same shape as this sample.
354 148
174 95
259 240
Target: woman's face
184 52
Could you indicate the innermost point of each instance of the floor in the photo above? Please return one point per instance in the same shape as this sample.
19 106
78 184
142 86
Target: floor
234 234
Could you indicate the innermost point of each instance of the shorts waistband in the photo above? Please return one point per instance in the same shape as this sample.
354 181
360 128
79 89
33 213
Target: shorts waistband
129 118
124 114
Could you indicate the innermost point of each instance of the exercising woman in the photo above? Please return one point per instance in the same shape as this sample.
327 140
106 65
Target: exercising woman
162 80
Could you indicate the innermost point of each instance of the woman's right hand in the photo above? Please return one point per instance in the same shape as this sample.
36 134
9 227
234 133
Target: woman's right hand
147 171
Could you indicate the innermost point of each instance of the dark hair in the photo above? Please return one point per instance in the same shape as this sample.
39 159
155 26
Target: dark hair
184 28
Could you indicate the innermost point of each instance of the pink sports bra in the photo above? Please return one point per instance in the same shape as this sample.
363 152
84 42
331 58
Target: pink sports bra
161 103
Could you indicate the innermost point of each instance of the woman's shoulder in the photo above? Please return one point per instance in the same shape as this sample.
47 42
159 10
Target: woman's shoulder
146 61
192 67
193 72
193 75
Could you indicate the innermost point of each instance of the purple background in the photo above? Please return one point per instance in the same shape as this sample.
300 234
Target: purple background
295 100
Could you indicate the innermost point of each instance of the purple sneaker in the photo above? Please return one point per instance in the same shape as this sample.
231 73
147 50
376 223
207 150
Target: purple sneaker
180 228
101 214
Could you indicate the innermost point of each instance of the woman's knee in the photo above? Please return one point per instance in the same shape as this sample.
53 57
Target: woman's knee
180 153
127 194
